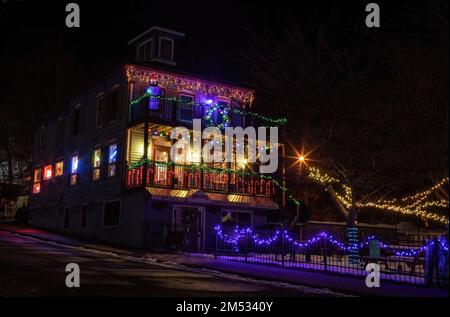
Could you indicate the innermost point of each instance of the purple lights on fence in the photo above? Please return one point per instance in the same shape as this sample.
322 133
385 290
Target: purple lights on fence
247 233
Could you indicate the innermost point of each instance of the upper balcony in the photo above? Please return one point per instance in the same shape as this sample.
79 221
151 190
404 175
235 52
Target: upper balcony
179 112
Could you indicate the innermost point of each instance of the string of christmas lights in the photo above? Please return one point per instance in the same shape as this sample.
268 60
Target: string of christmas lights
224 111
205 168
177 82
247 233
416 208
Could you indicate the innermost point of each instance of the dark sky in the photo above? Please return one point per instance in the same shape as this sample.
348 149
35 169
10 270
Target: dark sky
35 40
214 29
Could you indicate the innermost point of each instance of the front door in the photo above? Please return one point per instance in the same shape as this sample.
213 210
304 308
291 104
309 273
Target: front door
189 222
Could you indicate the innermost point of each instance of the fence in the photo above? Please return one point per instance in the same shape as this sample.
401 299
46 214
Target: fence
398 261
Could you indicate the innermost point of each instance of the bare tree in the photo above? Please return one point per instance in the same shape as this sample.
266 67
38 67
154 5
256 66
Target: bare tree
372 116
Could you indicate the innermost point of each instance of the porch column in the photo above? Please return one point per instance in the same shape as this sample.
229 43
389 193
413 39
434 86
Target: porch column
146 144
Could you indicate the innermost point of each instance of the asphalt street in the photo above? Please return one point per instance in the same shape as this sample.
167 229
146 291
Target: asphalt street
30 267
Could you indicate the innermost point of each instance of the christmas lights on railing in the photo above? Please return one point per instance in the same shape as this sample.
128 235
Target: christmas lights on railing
247 234
224 111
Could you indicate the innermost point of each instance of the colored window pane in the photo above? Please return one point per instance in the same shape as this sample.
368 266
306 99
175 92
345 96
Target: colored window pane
74 164
59 168
111 170
73 179
36 188
48 172
37 175
97 157
112 153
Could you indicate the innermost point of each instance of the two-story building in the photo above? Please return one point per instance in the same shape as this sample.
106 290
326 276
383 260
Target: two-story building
102 168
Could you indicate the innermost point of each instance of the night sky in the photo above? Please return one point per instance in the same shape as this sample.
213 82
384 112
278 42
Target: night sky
214 32
43 63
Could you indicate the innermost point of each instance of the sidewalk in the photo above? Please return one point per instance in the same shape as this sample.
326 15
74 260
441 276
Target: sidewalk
339 283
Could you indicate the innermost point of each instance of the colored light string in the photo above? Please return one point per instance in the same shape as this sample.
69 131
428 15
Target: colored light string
247 233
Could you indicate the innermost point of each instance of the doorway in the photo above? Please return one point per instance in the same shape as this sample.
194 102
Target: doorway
190 223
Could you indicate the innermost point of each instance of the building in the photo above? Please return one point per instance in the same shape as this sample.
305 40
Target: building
101 169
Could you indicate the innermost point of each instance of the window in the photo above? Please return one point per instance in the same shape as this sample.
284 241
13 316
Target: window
37 174
99 111
96 162
236 218
84 216
185 107
154 101
60 131
145 51
141 53
59 168
111 214
36 188
113 107
76 121
74 170
166 48
66 218
41 141
48 172
148 50
112 160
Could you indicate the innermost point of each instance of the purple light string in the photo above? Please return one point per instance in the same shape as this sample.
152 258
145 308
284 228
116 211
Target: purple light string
247 233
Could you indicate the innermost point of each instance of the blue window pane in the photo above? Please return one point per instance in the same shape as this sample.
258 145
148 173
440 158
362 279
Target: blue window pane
74 164
112 153
153 101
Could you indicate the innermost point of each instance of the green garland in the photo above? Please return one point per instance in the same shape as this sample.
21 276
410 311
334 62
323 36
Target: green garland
205 168
270 121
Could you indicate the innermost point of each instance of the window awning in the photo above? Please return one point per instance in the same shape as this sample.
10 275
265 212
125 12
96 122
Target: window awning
199 196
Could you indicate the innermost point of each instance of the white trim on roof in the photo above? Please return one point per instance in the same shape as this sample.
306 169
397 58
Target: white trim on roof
156 28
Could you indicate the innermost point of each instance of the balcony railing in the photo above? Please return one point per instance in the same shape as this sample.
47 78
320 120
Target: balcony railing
171 111
184 177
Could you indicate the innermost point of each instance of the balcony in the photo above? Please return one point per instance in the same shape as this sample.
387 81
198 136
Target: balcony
176 112
186 177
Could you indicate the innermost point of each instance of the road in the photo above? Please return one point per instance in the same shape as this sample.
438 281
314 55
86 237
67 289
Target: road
31 267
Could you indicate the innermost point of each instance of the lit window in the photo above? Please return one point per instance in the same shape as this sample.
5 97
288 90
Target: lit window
112 153
48 172
96 174
36 188
59 168
111 170
155 94
74 170
73 179
74 164
97 158
37 180
96 161
37 175
112 159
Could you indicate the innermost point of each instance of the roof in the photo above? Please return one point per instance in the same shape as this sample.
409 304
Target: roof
156 28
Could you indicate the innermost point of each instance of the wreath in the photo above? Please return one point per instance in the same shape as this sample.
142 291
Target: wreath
223 121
